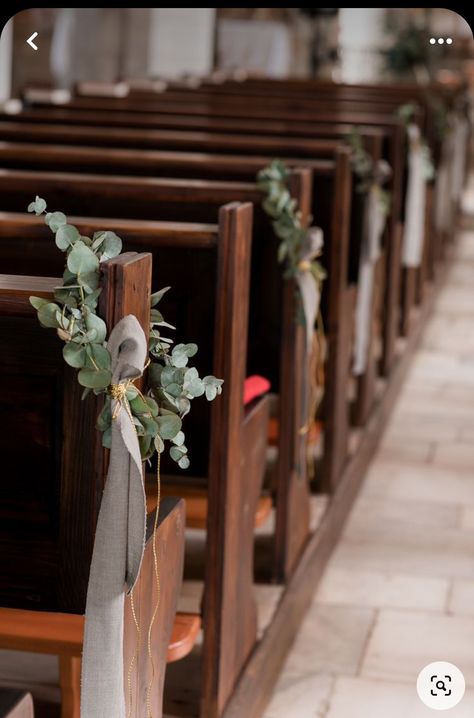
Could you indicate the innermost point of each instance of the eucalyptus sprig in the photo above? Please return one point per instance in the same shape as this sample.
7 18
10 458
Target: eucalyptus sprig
368 172
286 220
157 414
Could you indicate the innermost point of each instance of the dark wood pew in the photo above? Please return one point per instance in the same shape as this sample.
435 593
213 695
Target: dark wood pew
226 167
171 164
195 103
48 520
234 488
156 197
188 200
295 144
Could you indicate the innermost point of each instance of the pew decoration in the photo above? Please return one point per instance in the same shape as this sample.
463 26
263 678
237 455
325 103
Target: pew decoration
158 414
299 247
420 171
371 176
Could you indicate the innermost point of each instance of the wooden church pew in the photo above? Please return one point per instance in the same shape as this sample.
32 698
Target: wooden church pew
296 143
234 488
163 164
300 106
226 167
49 527
187 200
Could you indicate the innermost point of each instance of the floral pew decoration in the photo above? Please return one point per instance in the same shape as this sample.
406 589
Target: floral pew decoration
420 172
299 251
134 425
372 176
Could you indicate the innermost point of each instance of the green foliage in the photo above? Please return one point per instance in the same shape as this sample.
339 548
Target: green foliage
158 415
410 48
368 172
279 205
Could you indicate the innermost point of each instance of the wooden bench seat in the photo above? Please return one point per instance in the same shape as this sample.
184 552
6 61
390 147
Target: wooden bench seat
197 504
61 634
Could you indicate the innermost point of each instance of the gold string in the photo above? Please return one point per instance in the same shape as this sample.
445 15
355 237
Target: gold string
119 393
158 587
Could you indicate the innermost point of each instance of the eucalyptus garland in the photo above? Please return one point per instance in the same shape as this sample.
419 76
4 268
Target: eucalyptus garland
300 248
368 172
286 221
157 414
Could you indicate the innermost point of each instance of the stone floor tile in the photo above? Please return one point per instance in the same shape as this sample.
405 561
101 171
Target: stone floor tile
462 598
405 481
454 454
362 698
300 696
381 589
332 640
403 642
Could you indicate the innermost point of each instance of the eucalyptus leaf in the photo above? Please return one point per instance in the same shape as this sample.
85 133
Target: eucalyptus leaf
74 355
139 405
94 379
155 298
55 220
178 440
99 356
38 302
110 246
66 235
159 444
89 281
168 425
38 206
184 462
81 259
47 314
93 322
177 452
152 405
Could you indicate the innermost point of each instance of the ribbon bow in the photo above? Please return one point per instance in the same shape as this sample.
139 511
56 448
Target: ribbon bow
120 537
307 284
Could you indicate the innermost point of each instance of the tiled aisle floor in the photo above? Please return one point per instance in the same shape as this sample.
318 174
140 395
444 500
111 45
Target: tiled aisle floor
399 590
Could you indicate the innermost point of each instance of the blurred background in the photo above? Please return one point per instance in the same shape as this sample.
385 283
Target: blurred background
342 44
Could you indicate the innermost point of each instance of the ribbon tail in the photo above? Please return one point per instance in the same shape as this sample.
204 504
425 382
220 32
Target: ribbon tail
310 297
118 546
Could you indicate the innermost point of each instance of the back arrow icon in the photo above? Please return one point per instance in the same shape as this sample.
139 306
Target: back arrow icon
30 41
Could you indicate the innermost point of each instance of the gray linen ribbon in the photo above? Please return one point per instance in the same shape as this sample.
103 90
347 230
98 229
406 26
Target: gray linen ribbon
119 540
415 201
307 284
374 225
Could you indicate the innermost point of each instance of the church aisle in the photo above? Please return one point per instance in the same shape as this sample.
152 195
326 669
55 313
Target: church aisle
399 591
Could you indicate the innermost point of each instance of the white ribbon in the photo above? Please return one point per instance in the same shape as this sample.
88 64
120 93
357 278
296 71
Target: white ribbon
460 136
374 225
308 286
119 541
442 209
415 203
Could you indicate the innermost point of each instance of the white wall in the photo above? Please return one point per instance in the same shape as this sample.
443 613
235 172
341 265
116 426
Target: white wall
181 41
6 50
361 37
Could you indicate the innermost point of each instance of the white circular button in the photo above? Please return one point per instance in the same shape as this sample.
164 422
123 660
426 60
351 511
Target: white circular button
440 685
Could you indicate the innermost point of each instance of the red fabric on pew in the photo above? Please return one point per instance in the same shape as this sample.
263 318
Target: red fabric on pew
255 386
